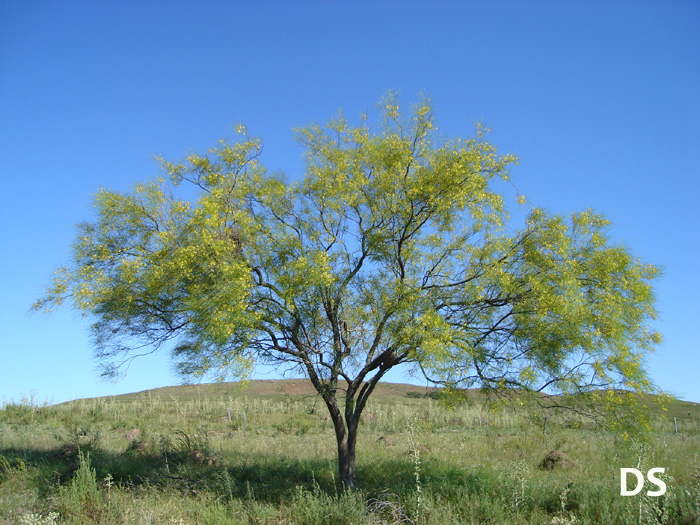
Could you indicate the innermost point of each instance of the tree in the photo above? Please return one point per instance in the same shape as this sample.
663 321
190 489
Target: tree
394 247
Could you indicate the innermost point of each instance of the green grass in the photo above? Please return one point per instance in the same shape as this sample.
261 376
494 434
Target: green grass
172 456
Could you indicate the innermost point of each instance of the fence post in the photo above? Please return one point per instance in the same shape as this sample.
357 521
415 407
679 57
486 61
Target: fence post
244 425
544 427
228 413
675 424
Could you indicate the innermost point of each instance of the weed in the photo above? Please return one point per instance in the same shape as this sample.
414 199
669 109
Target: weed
517 474
415 458
564 517
37 519
5 468
187 442
81 434
653 510
694 491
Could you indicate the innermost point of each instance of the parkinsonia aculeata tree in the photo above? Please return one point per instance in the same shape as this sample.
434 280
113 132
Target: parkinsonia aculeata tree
392 248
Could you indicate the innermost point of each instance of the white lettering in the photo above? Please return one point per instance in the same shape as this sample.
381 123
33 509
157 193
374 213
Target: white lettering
623 482
656 481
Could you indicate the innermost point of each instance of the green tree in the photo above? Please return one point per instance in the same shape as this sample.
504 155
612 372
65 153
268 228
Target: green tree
393 248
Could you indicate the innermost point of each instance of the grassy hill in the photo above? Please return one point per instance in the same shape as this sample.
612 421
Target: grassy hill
270 389
264 452
282 389
300 390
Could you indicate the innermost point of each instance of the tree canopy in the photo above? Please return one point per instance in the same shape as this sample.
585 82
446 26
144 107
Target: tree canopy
395 246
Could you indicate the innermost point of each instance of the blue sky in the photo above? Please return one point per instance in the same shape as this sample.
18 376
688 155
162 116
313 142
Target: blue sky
600 101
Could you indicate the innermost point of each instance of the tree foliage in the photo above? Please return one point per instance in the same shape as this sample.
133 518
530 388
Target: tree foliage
394 247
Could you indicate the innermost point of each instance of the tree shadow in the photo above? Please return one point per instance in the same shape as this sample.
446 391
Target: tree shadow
270 480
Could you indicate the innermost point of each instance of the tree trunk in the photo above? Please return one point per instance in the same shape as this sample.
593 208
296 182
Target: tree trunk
346 462
346 437
346 455
346 428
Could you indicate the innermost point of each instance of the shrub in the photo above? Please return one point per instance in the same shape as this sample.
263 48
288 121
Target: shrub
82 497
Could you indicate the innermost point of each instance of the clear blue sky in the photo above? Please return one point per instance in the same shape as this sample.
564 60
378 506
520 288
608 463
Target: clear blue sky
600 100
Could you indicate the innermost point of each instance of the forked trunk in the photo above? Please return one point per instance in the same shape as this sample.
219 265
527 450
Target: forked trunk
346 427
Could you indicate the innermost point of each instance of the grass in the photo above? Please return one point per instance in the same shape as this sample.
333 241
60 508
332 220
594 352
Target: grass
171 456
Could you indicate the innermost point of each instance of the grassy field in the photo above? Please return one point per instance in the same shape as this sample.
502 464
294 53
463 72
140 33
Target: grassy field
222 453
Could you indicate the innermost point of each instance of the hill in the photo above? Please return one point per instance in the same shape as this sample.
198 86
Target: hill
271 389
279 390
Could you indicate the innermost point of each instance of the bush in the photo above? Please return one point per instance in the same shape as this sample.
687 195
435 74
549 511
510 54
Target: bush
82 497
